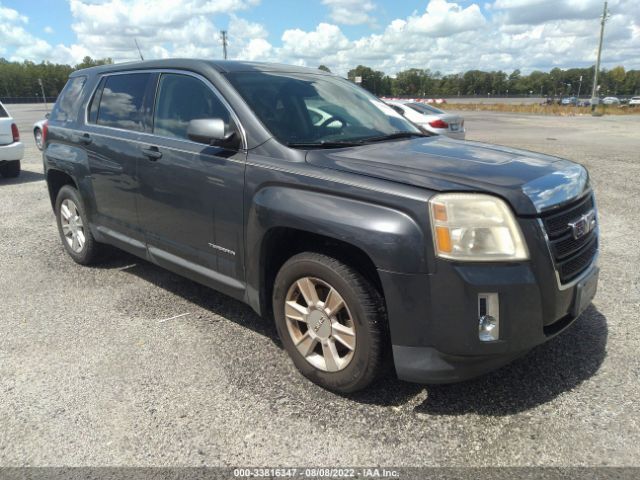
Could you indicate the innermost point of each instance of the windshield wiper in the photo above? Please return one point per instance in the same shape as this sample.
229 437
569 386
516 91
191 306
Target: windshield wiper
324 144
394 136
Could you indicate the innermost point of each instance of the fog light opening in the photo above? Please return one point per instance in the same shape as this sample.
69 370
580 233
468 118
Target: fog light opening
488 317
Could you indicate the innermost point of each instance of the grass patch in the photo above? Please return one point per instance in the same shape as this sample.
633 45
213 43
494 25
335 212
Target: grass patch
558 110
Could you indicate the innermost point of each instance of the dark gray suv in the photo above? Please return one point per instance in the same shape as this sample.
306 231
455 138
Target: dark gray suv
315 203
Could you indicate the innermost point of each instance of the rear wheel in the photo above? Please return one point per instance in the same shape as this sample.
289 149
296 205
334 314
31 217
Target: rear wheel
330 320
10 169
73 227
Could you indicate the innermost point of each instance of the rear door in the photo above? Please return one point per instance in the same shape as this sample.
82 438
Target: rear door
118 118
191 194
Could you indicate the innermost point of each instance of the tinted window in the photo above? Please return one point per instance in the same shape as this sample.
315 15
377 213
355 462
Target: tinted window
182 98
121 104
95 102
66 108
3 112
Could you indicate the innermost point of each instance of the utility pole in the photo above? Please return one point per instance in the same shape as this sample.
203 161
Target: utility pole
44 99
224 44
594 91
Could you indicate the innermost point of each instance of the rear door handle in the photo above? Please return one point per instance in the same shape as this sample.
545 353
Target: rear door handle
152 153
85 139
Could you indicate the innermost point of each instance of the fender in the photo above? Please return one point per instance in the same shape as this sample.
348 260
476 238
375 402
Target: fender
391 238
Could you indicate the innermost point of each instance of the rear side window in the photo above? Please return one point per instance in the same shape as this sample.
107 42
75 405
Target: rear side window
3 112
121 104
182 98
66 108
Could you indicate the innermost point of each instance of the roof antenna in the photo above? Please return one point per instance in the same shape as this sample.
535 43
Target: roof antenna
138 47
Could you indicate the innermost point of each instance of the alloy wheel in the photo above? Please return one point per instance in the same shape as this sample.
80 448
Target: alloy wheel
320 324
72 225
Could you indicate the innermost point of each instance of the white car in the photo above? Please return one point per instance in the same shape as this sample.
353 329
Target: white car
611 101
39 131
430 119
634 101
11 149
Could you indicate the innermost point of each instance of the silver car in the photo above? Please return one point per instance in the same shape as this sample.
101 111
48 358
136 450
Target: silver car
429 118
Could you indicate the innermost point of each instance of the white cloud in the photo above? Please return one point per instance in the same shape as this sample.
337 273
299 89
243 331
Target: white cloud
350 12
48 30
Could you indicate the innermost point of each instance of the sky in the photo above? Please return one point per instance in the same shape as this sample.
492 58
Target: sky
388 35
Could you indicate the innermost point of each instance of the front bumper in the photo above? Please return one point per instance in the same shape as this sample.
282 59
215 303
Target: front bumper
13 151
433 318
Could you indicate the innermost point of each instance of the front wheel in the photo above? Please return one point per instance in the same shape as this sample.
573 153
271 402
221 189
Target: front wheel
37 136
331 321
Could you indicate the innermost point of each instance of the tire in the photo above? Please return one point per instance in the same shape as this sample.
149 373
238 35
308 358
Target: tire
37 136
72 220
10 169
355 359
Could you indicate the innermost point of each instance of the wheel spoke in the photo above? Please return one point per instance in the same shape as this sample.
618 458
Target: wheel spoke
306 344
81 238
74 242
295 311
347 341
66 213
343 330
79 221
333 302
66 229
331 357
308 290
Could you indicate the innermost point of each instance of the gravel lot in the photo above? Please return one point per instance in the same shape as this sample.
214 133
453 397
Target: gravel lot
91 375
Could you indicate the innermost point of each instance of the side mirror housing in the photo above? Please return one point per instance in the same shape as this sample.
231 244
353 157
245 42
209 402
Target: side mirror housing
211 131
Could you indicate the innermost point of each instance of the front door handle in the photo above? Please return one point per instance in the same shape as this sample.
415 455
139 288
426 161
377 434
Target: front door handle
152 153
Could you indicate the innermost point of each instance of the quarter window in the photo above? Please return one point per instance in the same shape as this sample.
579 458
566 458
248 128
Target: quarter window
121 104
66 108
182 98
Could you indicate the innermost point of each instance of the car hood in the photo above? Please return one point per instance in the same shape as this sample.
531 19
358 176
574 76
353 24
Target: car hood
531 182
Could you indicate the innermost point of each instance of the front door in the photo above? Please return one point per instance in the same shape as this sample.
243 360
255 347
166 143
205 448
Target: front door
191 194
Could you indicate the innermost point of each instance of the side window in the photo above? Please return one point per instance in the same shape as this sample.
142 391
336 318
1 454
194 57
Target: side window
66 108
3 112
182 98
121 104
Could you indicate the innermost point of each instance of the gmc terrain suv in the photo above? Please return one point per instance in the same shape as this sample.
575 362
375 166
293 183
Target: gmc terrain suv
311 200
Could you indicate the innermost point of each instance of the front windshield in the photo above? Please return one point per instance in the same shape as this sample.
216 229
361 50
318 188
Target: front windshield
310 109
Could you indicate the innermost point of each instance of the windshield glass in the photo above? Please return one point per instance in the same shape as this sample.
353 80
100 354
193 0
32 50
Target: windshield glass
424 109
303 108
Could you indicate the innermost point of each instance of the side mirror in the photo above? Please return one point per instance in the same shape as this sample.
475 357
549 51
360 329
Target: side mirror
47 115
211 131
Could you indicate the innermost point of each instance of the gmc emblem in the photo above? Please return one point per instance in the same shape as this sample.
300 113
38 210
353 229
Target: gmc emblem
583 225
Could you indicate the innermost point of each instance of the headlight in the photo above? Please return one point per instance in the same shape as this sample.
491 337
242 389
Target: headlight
474 227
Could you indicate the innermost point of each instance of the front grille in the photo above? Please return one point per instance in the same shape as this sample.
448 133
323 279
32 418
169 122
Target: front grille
571 256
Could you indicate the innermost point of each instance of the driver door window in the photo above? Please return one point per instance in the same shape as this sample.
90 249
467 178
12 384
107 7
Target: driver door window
182 98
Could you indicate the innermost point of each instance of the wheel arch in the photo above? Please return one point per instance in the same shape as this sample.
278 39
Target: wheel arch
56 179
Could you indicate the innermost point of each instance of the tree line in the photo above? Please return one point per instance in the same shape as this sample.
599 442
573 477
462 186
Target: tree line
20 79
419 82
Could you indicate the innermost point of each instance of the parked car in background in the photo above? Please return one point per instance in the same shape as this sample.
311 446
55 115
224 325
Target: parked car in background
611 101
11 149
634 101
430 119
363 241
569 101
40 131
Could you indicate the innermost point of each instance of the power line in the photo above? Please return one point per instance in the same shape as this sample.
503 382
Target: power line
224 44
